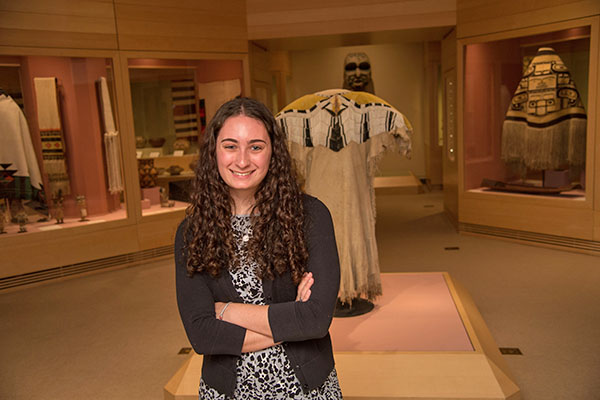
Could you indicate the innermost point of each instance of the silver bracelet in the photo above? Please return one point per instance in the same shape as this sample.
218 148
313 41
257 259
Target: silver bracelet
223 311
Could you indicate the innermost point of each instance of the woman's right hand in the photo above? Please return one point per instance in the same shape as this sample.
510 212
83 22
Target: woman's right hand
303 293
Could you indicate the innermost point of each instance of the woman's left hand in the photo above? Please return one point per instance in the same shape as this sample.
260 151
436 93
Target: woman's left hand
303 293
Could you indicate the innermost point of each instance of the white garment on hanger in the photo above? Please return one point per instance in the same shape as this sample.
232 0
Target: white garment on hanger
16 146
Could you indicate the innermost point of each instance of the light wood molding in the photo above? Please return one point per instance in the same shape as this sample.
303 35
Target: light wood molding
475 17
274 19
88 24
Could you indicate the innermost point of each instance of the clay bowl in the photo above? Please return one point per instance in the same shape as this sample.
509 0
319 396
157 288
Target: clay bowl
157 142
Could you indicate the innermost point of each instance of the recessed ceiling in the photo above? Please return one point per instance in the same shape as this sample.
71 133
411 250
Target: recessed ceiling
355 39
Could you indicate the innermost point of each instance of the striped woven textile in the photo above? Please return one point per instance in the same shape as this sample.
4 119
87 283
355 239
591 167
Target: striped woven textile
51 132
185 115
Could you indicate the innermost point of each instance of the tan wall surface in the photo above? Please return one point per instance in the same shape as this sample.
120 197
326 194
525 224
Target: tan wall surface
398 77
280 19
88 24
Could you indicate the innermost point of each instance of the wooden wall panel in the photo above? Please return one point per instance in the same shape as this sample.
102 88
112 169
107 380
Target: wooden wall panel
476 17
85 24
260 75
45 250
276 19
433 151
596 148
508 211
449 166
200 25
157 231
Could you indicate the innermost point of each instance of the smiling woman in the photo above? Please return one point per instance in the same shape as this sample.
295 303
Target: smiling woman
257 269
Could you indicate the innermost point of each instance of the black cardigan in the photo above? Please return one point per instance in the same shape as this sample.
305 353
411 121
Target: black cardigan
303 327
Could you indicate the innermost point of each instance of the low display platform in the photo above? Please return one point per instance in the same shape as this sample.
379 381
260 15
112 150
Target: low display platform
425 339
406 183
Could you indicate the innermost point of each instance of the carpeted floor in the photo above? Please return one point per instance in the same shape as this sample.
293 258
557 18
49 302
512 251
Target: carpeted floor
116 334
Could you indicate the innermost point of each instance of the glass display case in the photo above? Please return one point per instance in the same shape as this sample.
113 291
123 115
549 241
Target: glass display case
172 101
525 106
60 147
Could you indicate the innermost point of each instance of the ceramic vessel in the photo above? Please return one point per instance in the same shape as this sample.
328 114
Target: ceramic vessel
157 142
175 170
147 173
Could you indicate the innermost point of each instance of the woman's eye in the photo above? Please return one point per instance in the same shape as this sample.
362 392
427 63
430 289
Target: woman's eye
257 147
229 146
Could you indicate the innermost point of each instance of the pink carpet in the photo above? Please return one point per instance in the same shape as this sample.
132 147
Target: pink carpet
415 313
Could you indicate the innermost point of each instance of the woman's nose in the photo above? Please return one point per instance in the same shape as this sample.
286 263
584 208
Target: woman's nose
242 159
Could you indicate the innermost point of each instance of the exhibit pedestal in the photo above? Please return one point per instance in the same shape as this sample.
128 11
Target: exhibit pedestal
425 339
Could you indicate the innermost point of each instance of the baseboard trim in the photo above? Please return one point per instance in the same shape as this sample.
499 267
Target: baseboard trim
65 271
562 242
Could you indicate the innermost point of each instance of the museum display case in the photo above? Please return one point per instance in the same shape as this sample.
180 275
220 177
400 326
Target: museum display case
525 117
527 127
60 155
171 101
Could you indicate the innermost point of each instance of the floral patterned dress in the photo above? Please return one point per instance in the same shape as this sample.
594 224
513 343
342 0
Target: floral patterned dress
263 374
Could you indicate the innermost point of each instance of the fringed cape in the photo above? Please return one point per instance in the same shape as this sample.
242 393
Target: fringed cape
545 126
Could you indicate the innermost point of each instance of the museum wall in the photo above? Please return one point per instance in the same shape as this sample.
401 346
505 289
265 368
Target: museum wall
398 77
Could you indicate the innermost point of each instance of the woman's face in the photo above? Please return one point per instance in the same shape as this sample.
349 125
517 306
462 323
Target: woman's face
243 154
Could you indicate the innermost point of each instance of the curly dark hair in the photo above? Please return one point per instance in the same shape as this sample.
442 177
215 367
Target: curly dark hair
278 243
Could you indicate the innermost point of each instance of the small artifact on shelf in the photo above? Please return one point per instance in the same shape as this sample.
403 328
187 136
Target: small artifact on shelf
157 142
22 220
175 170
526 188
59 210
181 144
82 208
140 142
164 198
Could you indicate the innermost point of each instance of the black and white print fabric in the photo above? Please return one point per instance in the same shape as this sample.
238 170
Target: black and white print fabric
264 374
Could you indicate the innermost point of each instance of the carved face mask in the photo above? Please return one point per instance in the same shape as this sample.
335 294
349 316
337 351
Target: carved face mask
357 72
